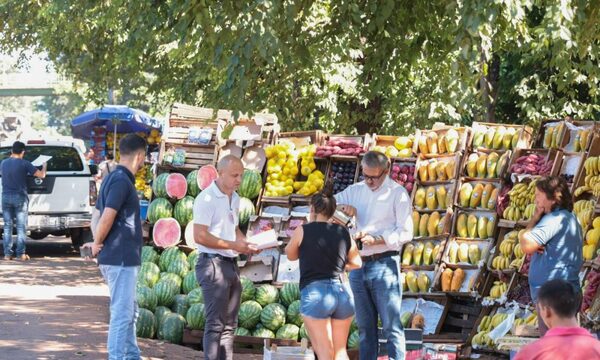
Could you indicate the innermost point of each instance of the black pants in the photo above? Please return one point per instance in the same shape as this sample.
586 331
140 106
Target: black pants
222 290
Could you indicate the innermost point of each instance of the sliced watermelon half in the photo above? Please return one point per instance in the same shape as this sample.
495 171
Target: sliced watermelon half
176 186
206 175
166 232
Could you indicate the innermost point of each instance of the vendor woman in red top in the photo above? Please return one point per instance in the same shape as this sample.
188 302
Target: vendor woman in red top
558 304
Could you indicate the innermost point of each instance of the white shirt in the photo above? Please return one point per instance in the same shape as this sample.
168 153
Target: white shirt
386 211
213 209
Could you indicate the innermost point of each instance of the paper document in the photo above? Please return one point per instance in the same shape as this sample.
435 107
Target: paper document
41 160
264 240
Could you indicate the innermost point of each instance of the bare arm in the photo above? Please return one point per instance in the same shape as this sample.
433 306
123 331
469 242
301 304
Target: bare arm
292 249
42 173
354 260
104 225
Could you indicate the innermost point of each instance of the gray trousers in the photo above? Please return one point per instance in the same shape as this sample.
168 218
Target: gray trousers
222 290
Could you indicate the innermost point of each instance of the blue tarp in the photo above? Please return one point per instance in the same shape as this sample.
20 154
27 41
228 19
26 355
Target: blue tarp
126 119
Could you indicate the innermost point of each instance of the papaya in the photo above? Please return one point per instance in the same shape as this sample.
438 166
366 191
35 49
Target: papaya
491 225
491 203
427 253
453 252
423 144
436 252
411 281
407 254
417 255
499 137
476 195
441 226
447 279
482 166
420 198
451 138
441 144
423 225
440 170
423 173
508 136
457 279
478 137
515 138
485 195
461 225
502 164
488 140
416 219
465 194
423 282
492 161
472 165
430 199
432 142
440 193
403 282
472 226
449 198
463 252
474 254
450 169
548 136
432 223
482 227
431 174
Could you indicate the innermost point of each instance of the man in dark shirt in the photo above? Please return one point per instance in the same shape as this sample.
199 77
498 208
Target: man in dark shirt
118 245
15 202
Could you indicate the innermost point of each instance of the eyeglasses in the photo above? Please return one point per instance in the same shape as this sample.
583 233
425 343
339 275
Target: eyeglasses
373 178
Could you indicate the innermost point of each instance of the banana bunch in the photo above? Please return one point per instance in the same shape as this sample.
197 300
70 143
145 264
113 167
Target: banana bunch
518 252
592 177
584 210
507 246
517 263
498 289
582 140
487 324
501 262
521 195
482 339
529 211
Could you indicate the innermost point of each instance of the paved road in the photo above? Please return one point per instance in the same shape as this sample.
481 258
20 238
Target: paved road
56 307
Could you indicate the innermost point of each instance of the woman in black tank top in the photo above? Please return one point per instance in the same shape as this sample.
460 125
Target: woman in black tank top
325 251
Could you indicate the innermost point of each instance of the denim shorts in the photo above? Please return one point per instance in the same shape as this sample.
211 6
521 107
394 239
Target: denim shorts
323 299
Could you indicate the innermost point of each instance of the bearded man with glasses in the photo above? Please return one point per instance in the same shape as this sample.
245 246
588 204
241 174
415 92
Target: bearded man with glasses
383 213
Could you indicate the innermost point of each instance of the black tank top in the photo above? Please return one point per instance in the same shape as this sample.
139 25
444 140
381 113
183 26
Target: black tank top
323 252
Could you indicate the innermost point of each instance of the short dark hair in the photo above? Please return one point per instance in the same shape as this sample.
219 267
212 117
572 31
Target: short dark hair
18 147
131 144
556 188
561 296
323 202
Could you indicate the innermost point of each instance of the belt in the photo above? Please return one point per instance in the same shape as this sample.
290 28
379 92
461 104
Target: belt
379 256
219 256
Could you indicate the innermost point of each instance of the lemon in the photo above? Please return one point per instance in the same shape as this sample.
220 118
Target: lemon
280 162
294 171
289 182
312 165
275 175
271 163
305 171
286 170
269 153
289 189
282 155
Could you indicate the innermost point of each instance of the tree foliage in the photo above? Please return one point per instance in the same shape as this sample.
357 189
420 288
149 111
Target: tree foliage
356 65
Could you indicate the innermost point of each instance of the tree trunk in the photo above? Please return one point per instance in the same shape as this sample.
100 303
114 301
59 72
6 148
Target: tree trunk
489 87
368 118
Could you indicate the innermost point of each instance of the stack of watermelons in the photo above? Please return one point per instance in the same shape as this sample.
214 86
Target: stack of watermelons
248 191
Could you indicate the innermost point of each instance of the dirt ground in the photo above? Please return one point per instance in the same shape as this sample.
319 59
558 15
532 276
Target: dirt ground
56 307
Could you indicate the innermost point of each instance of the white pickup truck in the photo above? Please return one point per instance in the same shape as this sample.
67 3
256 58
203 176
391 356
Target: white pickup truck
62 202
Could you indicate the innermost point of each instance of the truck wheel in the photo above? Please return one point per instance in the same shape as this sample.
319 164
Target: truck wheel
80 237
36 235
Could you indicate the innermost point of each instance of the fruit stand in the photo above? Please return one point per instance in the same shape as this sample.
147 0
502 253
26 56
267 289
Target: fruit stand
464 274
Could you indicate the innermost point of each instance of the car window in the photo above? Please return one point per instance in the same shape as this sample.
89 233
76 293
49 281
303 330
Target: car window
63 158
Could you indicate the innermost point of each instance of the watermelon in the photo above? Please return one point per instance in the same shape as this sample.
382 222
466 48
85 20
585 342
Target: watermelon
165 292
192 259
251 184
160 208
174 278
172 328
196 317
249 314
159 185
273 316
353 324
168 256
266 294
146 298
178 267
303 334
192 183
145 325
288 332
189 235
149 254
263 333
160 313
180 305
189 282
247 209
176 186
240 331
248 289
206 175
195 296
293 315
289 293
353 340
148 274
183 210
166 232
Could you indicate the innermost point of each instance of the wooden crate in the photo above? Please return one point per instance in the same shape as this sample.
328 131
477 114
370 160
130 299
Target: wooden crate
363 140
400 162
492 277
572 165
441 299
445 217
484 247
462 317
525 134
441 241
491 215
301 138
450 189
593 151
406 290
571 134
471 284
389 140
342 160
463 136
481 151
494 182
554 156
264 201
539 138
423 162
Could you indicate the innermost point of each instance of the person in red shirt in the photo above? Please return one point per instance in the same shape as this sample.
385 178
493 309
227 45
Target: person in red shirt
558 304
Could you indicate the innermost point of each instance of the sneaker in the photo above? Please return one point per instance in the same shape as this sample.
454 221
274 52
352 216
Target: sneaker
23 257
7 257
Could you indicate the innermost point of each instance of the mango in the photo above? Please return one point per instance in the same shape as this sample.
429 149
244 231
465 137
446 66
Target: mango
488 139
463 252
416 217
423 225
451 138
491 203
491 224
411 281
417 255
430 198
476 195
450 169
482 227
499 137
432 138
432 223
515 138
472 165
441 144
423 173
427 252
465 194
423 282
431 174
453 252
407 254
485 195
423 144
420 198
492 161
508 136
436 252
461 225
472 226
482 166
440 193
440 171
474 254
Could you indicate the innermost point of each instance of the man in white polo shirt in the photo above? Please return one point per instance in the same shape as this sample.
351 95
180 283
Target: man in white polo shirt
384 223
219 241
